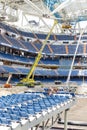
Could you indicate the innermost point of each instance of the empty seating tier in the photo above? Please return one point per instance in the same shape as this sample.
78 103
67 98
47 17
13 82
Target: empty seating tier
36 35
42 72
26 110
34 48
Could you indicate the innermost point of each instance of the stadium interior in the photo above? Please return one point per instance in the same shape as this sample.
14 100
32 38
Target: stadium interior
42 43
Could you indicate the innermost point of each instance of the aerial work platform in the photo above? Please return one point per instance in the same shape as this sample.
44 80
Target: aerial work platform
33 110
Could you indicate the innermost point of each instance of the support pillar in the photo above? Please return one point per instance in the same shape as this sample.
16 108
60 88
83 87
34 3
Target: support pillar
65 119
52 120
9 78
43 125
32 128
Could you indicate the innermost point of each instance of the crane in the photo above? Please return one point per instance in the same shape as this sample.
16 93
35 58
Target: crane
29 79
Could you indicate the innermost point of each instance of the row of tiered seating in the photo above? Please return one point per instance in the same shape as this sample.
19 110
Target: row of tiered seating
30 60
38 35
42 72
45 72
57 62
25 70
7 28
65 72
14 42
57 49
59 37
72 48
18 111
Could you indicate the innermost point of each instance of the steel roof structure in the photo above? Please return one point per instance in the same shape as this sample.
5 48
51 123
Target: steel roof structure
65 11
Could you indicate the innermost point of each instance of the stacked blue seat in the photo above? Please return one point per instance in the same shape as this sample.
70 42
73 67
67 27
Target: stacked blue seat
8 69
3 41
14 42
58 49
80 49
46 50
71 49
20 106
29 46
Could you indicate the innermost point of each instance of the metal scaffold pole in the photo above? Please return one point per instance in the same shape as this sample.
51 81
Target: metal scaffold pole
79 41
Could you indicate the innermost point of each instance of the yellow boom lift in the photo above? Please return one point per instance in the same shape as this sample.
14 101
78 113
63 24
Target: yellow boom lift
66 26
29 79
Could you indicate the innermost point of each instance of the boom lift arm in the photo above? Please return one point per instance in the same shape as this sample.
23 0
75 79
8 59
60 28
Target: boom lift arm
29 80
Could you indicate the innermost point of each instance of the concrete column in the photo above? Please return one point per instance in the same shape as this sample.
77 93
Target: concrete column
65 119
43 126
